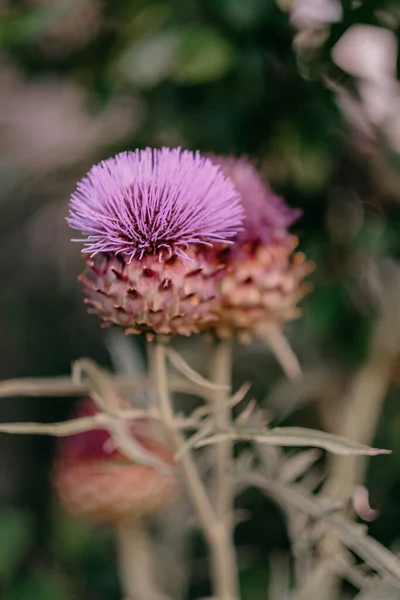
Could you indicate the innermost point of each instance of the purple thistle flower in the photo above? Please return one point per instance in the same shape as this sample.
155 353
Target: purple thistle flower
154 202
267 216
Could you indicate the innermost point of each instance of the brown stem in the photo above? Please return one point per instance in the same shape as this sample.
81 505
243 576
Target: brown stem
109 401
360 420
362 409
283 352
82 424
224 561
135 563
372 552
221 373
191 477
66 386
223 564
220 544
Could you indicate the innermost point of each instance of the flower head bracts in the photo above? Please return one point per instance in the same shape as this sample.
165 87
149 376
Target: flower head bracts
267 216
154 202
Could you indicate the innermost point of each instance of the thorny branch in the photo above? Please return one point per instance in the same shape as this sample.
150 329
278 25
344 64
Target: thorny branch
107 391
110 401
283 352
223 480
293 436
82 424
193 482
352 535
66 386
361 413
71 386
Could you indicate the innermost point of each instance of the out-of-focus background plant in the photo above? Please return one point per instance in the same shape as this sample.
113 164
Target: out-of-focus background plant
307 89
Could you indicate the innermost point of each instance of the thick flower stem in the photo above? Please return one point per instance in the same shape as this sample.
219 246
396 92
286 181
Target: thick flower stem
221 372
359 422
223 564
135 563
191 477
219 542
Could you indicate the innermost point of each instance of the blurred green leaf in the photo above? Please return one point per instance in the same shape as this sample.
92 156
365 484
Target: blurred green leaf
203 56
16 529
146 20
27 25
244 14
41 586
73 538
323 309
189 55
253 584
150 60
307 161
24 26
374 237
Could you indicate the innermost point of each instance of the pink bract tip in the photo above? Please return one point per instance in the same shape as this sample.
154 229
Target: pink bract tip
267 216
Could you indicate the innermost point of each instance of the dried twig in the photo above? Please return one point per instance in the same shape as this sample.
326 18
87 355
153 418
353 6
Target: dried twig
97 421
294 436
108 400
195 487
362 409
203 431
206 426
186 370
221 370
209 521
353 536
66 386
283 351
136 566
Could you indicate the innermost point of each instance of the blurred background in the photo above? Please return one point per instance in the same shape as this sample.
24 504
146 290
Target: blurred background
310 92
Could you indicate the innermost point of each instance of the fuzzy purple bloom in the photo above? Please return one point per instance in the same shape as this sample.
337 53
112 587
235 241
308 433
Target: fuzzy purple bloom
267 216
154 202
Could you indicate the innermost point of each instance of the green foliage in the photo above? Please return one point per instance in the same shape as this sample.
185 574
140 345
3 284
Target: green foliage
253 584
16 531
41 586
190 55
203 56
73 538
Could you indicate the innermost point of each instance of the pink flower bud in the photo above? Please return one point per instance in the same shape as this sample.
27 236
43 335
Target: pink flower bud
96 481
